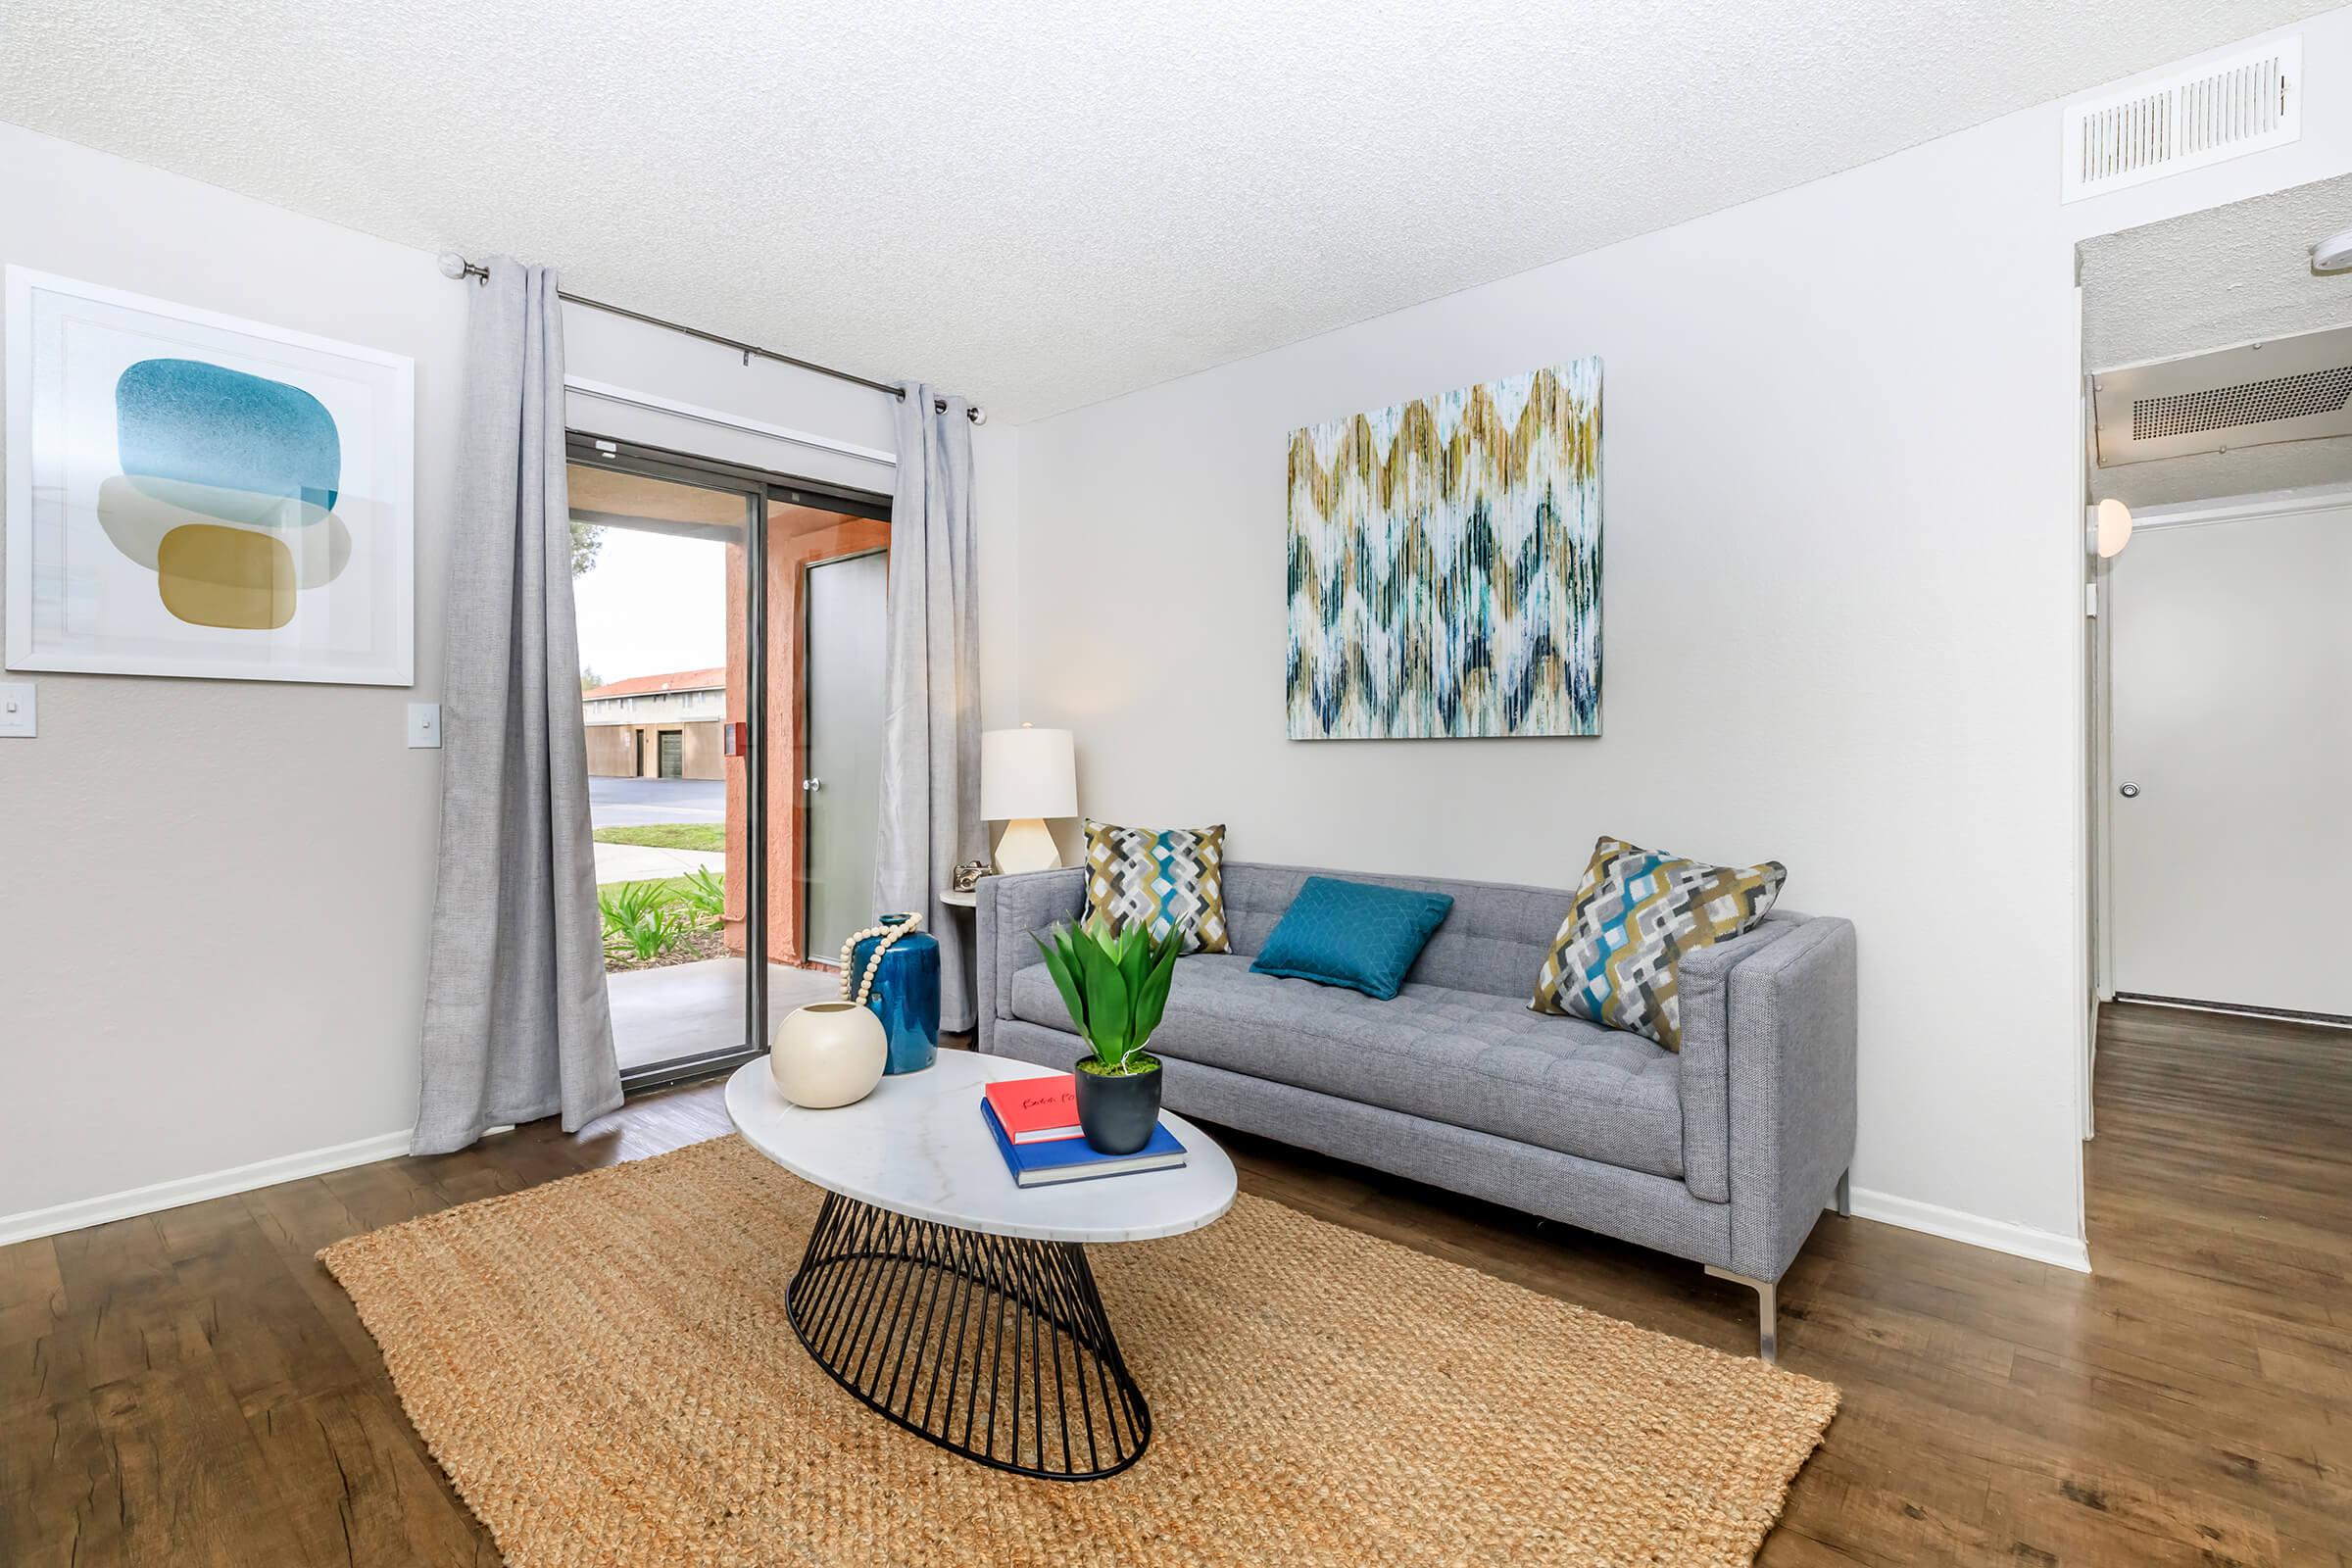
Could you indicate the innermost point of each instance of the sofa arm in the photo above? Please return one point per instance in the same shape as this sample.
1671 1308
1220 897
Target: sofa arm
1791 1060
1704 987
1010 911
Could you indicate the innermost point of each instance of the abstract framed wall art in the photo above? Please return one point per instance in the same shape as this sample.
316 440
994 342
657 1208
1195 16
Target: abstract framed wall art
192 494
1444 564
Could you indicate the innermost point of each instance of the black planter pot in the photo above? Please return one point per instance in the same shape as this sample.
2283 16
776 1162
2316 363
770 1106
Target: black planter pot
1117 1114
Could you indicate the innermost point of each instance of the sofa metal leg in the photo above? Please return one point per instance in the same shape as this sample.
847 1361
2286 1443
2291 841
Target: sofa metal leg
1845 1193
1768 1345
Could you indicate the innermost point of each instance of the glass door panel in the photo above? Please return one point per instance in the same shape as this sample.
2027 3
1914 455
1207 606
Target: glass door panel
845 599
662 587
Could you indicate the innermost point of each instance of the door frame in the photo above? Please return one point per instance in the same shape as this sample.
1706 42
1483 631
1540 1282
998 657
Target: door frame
594 450
623 457
2153 519
800 825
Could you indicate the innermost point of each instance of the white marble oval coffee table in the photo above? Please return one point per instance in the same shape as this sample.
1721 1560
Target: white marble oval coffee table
948 1299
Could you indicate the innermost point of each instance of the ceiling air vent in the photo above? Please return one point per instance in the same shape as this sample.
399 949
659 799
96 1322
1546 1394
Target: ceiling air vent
2287 389
2185 120
2225 408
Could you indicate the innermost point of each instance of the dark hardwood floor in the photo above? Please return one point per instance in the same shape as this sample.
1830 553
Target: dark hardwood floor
191 1388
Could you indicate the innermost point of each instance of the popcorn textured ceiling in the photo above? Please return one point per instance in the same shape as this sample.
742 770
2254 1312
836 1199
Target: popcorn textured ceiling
1036 205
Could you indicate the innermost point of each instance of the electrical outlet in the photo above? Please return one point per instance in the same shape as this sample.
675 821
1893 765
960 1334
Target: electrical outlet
16 709
424 725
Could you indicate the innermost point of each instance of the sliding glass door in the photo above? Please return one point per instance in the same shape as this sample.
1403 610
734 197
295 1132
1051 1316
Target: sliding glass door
688 578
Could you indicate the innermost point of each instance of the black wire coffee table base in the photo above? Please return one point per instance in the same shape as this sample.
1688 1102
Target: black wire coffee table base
992 1347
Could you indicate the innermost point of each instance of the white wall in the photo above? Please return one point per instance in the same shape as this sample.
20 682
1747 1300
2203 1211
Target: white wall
215 895
1842 619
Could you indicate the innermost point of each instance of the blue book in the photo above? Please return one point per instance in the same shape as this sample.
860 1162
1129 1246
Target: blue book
1074 1160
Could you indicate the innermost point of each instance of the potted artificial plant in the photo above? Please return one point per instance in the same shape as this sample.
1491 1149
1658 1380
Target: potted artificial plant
1116 986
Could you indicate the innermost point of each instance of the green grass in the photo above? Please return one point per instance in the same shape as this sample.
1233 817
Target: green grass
710 836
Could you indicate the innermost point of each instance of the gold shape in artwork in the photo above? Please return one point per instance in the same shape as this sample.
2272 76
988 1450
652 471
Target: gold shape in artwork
212 576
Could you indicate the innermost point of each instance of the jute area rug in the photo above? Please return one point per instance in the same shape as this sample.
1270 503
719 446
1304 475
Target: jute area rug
604 1367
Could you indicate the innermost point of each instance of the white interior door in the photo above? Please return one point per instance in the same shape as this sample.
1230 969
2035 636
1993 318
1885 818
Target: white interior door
2229 817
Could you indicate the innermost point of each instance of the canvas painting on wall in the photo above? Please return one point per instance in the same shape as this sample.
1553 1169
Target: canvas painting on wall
1444 564
192 494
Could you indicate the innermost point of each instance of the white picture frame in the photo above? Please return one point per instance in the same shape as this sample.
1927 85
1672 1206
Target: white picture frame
193 494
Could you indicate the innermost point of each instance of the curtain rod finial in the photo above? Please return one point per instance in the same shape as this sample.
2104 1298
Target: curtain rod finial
453 265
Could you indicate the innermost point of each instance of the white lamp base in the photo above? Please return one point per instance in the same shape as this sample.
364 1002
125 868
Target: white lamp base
1027 845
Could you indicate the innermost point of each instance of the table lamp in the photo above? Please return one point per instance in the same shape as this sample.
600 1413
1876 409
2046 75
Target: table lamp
1027 775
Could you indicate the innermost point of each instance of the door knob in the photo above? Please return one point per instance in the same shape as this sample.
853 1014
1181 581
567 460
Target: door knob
2130 792
812 785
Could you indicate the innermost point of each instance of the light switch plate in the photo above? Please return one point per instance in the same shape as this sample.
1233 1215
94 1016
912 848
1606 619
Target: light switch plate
424 725
16 709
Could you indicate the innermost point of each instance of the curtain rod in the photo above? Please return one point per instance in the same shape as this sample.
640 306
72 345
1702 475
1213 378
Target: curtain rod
457 267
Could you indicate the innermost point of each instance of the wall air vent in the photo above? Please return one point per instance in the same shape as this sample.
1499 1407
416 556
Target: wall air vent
2185 119
2287 389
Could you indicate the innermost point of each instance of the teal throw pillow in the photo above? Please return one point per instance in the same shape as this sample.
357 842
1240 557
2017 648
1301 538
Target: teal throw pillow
1353 934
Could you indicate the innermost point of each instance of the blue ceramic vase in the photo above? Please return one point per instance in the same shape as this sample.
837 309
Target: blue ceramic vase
906 996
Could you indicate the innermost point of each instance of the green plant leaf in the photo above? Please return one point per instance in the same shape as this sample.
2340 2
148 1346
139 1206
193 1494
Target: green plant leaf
1152 997
1106 937
706 894
1135 958
1067 946
1107 1002
1065 980
641 920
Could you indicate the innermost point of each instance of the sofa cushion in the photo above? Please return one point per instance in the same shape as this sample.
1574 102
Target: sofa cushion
1353 934
1168 879
1617 959
1463 1057
1493 939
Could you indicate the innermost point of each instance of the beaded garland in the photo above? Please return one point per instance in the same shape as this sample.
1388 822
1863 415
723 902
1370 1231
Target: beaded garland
889 932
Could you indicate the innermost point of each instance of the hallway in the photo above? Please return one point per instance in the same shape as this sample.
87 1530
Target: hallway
2217 1335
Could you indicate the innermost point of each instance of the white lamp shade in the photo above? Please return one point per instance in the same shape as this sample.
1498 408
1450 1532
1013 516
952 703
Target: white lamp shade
1027 773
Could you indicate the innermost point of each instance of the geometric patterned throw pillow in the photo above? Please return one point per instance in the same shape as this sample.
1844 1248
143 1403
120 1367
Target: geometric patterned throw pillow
1171 881
1615 958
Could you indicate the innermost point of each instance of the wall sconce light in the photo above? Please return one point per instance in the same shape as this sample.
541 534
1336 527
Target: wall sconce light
2110 530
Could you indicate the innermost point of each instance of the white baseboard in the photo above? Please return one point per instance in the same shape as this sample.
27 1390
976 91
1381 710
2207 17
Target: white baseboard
1999 1235
85 1211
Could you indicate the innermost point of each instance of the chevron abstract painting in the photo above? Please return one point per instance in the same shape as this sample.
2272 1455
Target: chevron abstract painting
1444 564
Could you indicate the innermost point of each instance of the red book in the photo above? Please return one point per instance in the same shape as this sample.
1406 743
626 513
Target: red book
1036 1111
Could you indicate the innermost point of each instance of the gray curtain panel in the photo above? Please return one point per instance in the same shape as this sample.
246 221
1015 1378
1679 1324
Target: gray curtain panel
931 695
516 1023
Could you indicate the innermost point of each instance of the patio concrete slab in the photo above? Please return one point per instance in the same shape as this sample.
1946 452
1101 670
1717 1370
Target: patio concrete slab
691 1009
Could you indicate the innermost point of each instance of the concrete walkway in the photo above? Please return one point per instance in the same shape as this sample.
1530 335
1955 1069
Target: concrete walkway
692 1009
638 862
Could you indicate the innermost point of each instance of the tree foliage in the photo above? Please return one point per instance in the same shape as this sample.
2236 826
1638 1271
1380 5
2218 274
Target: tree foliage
587 538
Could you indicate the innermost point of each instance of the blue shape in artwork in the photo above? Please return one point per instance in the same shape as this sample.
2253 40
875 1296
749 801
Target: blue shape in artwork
205 424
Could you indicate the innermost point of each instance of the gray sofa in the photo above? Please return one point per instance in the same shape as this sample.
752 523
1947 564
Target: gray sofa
1725 1154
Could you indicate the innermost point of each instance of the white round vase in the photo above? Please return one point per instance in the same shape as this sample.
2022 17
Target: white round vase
829 1053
